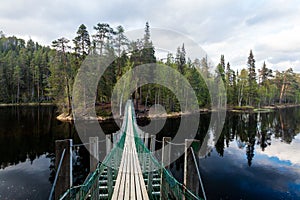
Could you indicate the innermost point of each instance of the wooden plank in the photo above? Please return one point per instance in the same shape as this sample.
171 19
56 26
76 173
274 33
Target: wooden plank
139 175
119 179
137 181
127 175
132 178
123 175
143 186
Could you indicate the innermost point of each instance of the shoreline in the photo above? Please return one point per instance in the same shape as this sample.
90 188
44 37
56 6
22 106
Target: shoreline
244 109
25 104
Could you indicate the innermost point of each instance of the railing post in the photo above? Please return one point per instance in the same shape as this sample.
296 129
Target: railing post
166 153
65 180
190 179
94 153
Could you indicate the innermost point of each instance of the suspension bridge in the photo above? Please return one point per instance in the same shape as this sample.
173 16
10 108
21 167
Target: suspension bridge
130 170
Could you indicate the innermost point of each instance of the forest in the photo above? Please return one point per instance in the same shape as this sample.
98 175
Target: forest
33 73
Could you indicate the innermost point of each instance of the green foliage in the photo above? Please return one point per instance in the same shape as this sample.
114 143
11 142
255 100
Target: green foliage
82 41
243 107
252 90
30 72
23 71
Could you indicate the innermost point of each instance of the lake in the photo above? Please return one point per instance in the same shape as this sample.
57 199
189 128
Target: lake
257 156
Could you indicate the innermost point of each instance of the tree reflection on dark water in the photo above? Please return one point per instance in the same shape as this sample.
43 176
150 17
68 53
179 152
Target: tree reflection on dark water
238 167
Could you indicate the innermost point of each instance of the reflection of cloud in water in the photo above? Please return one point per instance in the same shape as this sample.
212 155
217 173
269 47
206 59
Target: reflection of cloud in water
284 152
26 180
268 177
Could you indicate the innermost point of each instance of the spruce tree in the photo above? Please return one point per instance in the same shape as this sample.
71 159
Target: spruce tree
264 74
180 59
252 79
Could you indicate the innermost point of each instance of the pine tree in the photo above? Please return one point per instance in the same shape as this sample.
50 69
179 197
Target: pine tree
147 52
82 41
103 33
264 74
120 41
180 59
252 79
221 69
204 67
61 70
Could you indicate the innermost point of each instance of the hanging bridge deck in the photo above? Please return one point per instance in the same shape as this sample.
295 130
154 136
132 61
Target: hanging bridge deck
129 171
130 183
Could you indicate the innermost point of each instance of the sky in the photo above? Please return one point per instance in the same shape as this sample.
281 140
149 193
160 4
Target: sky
230 27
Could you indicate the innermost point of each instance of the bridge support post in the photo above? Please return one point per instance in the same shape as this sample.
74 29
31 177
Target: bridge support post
94 160
150 169
152 143
190 179
94 153
109 169
108 143
166 154
115 139
65 180
147 140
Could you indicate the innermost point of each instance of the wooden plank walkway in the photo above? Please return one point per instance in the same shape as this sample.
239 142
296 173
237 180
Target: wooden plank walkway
130 182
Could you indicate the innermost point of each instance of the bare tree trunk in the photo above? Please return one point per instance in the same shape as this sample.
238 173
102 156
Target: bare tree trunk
146 103
282 89
18 91
69 97
241 95
38 90
136 98
140 96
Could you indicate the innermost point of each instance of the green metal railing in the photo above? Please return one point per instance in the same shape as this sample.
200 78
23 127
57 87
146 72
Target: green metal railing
90 189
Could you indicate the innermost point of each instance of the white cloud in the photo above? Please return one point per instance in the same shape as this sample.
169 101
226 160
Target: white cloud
284 152
230 27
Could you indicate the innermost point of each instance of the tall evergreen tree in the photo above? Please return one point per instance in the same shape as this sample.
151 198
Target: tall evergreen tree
221 68
60 72
205 67
82 41
252 79
147 52
120 41
103 33
181 59
264 74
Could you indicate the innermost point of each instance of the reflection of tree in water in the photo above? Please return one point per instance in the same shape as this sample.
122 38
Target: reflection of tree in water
80 161
249 130
287 124
51 156
24 133
264 131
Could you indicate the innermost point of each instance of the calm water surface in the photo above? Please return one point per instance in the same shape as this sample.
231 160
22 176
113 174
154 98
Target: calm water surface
257 156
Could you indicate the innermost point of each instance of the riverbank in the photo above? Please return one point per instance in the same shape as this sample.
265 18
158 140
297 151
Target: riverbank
243 109
250 109
26 104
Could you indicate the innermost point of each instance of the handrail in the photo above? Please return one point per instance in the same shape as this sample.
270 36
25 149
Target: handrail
198 172
56 175
87 186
